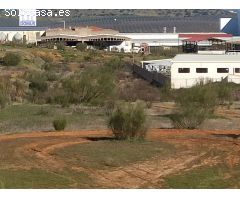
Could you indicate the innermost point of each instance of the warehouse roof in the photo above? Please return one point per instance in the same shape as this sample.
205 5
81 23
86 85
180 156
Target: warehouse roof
23 28
188 58
203 36
130 24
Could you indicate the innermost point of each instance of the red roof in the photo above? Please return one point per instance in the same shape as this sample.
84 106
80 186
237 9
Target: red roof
95 28
202 37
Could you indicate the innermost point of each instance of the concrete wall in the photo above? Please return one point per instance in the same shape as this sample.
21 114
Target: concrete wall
185 80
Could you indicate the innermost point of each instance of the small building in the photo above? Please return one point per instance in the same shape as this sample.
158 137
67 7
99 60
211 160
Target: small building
189 69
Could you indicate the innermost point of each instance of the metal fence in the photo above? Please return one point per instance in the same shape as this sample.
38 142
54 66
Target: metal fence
155 78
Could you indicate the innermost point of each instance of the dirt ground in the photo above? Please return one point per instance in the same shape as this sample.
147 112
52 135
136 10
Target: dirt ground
195 148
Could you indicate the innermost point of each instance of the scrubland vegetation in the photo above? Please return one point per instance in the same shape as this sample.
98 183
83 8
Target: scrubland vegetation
53 98
77 78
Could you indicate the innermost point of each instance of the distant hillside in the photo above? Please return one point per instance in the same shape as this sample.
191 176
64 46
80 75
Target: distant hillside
184 20
150 12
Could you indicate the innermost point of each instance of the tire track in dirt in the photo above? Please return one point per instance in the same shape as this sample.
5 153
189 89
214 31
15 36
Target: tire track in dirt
83 133
38 152
35 150
150 173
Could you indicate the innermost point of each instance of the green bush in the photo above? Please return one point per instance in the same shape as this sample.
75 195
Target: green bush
195 104
161 51
62 99
38 83
88 57
225 91
4 100
59 124
20 90
5 91
51 76
128 122
115 63
81 46
190 118
93 85
61 46
38 86
199 96
11 59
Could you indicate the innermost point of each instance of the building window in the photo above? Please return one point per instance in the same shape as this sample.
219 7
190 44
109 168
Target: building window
183 70
222 70
237 70
202 70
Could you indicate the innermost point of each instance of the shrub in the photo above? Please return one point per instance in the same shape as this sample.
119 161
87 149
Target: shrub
11 59
51 76
161 51
59 124
81 46
225 91
47 56
61 46
128 122
87 58
109 106
133 90
31 45
5 91
195 105
20 90
38 86
115 63
93 85
190 118
42 111
200 96
4 100
62 99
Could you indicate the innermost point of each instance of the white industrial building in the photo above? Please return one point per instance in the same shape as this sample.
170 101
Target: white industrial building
186 70
166 40
189 69
153 39
28 34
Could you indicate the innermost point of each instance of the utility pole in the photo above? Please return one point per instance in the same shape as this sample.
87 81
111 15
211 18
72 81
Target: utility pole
132 53
64 24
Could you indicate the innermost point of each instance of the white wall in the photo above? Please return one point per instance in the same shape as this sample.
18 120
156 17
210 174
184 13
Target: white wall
150 36
125 45
153 39
184 80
